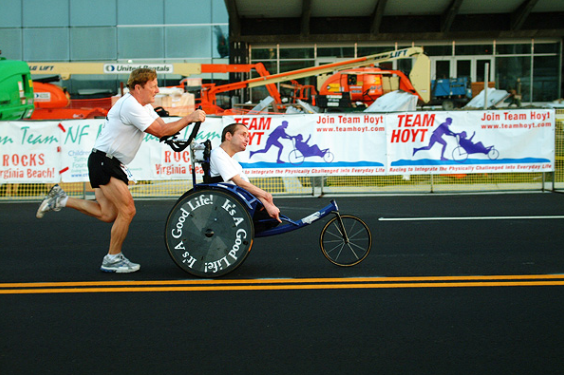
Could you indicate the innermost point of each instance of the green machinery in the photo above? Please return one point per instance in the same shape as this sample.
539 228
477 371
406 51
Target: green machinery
16 90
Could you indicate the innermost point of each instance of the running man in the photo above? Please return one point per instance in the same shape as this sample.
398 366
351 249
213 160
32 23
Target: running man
122 134
437 137
279 132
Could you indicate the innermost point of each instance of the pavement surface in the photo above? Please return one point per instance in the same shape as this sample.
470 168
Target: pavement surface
454 284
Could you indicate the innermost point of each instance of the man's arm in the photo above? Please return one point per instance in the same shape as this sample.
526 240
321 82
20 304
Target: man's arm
263 196
160 129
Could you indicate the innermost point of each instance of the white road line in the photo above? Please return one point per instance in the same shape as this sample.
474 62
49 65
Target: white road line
438 218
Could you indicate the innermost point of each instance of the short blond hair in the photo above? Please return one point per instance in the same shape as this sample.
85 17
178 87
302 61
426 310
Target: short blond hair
140 77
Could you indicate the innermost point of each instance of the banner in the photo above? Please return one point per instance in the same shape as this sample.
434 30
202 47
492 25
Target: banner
304 145
471 142
29 152
314 145
154 161
159 162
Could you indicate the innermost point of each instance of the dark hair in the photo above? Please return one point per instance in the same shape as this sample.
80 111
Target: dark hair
140 77
231 128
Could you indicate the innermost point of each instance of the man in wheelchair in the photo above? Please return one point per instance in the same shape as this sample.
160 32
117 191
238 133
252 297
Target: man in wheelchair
470 147
234 139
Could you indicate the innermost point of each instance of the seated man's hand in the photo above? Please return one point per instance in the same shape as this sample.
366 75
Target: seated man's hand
273 211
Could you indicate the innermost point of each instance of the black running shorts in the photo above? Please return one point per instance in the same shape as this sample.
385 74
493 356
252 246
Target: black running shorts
101 168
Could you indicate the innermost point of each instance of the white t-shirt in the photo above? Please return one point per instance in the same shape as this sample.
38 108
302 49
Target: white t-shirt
221 164
123 131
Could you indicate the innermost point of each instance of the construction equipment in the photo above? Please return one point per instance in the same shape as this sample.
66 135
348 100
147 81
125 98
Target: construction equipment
450 92
333 89
361 86
208 92
53 102
16 90
418 82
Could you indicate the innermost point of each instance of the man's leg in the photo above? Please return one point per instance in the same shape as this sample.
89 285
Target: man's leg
101 209
119 202
263 151
443 142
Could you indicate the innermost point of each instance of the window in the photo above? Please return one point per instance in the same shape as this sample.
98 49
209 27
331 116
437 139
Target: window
87 13
513 49
37 39
181 40
366 51
546 48
259 54
481 49
131 47
442 69
93 43
296 53
438 50
338 52
545 81
514 73
11 43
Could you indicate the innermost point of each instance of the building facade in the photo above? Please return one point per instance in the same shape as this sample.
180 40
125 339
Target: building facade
139 31
523 50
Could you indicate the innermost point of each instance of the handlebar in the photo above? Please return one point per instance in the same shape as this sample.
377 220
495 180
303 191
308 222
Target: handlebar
179 145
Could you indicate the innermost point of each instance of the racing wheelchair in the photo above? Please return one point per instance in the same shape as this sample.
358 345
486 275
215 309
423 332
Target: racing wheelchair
302 150
210 230
466 147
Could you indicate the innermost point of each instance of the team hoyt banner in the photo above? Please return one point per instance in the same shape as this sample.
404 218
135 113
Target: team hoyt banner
304 145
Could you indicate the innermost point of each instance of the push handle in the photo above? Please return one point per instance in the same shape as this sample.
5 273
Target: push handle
179 145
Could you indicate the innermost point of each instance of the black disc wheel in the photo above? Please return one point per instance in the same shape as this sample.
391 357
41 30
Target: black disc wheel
209 233
345 240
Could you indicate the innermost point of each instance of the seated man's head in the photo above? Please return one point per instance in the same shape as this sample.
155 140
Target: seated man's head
235 138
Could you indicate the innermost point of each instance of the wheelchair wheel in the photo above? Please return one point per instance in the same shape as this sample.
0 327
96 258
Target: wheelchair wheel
345 240
459 154
493 154
209 233
328 157
296 157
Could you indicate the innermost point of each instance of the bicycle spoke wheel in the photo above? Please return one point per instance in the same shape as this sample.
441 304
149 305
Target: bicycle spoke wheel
328 157
459 154
345 242
493 154
209 233
296 157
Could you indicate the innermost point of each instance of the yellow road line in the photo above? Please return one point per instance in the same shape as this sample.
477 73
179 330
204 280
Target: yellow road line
282 284
278 281
281 287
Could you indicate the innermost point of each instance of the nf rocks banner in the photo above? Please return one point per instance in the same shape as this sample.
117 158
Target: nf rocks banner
304 145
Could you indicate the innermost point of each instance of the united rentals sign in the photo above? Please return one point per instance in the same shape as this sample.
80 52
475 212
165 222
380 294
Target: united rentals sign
128 68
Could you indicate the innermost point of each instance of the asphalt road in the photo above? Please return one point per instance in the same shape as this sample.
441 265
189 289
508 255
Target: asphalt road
455 284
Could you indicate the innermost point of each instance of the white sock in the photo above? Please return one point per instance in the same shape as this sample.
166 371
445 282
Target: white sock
112 256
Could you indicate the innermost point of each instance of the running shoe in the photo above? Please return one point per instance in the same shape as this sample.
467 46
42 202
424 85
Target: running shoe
52 201
120 264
